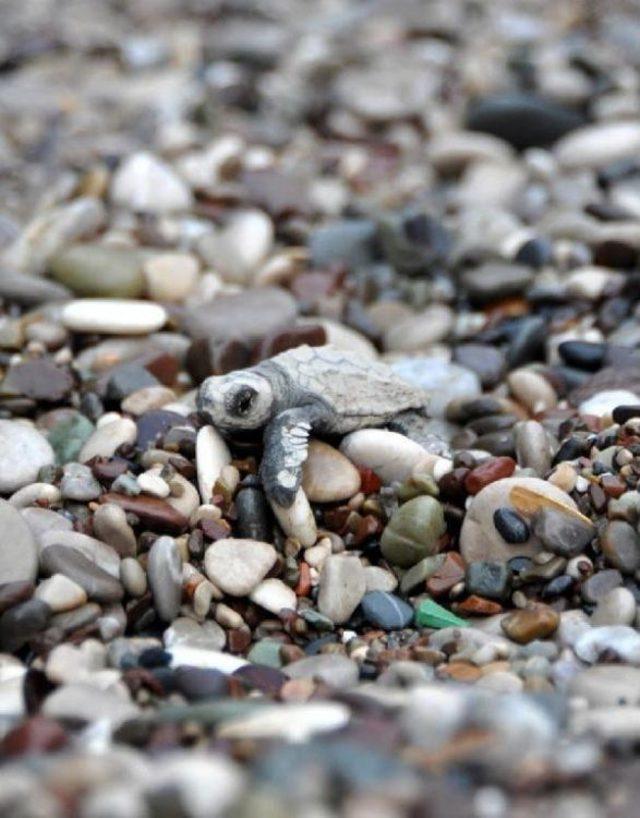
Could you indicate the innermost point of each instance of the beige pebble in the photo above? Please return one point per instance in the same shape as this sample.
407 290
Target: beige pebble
60 593
147 398
212 454
297 521
532 389
274 596
151 483
171 276
107 438
327 475
113 316
36 493
133 577
110 525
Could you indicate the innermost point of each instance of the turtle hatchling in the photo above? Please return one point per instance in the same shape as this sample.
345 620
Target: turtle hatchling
320 389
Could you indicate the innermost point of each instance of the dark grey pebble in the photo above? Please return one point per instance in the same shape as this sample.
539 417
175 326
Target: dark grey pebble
99 585
129 378
489 579
510 525
496 279
385 610
599 584
349 242
621 546
621 414
22 622
486 361
196 683
535 252
527 342
253 515
583 354
564 534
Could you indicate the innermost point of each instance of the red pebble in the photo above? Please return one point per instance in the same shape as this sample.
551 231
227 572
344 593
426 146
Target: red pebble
38 734
488 472
479 606
303 588
370 483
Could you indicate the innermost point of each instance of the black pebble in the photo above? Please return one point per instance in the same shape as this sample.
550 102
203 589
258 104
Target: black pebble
535 253
583 354
621 414
510 525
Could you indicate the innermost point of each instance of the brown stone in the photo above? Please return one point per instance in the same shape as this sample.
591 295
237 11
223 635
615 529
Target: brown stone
478 606
39 379
153 512
459 672
537 622
449 574
314 335
488 472
38 734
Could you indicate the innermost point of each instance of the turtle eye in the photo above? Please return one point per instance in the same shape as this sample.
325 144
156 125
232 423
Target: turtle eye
243 400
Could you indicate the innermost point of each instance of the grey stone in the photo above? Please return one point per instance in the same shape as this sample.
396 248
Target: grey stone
99 585
18 552
342 586
78 483
164 569
565 534
23 452
386 611
487 579
331 668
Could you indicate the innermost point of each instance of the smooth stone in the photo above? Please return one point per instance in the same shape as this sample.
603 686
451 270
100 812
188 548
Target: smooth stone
67 437
164 569
443 381
487 362
451 152
187 655
103 555
327 475
413 532
390 455
533 447
495 280
620 545
239 248
30 290
11 593
98 584
524 120
379 579
620 641
603 404
23 452
597 145
100 270
146 184
607 686
110 525
36 493
127 378
487 579
188 501
419 331
80 700
236 566
332 669
385 610
61 593
297 521
78 483
41 521
563 534
291 721
617 607
146 399
212 455
511 526
595 587
18 553
532 390
111 316
274 596
22 622
479 539
253 514
107 439
347 241
200 684
528 624
342 587
38 379
184 632
133 577
170 277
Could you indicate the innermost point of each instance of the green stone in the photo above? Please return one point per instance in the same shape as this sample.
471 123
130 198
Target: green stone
266 652
431 615
100 270
413 532
69 436
417 485
419 573
317 620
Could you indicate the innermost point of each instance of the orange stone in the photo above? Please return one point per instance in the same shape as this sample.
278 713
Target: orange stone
459 672
536 622
479 606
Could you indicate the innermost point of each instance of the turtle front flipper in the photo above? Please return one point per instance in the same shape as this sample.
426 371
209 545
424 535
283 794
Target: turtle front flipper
286 441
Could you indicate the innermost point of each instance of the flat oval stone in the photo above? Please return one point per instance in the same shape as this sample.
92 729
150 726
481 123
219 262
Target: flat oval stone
146 184
621 546
479 538
342 586
537 622
18 553
152 511
327 475
297 521
274 596
164 569
100 270
237 566
106 439
331 668
108 316
510 525
386 611
39 379
61 593
23 452
98 584
390 455
597 145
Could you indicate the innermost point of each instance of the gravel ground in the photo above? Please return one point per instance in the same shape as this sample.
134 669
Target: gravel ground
243 246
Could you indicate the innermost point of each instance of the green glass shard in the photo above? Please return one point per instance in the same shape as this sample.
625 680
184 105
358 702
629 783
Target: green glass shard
431 615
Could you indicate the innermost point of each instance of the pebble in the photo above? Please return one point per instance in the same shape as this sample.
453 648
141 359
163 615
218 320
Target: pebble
146 399
61 593
524 626
532 389
385 610
237 566
146 184
22 622
212 455
617 607
240 247
413 532
487 579
133 577
603 404
291 722
332 669
107 439
621 546
379 579
110 525
23 452
443 381
607 686
274 596
418 332
342 587
98 584
327 475
164 570
488 363
390 455
111 316
565 534
18 554
170 277
187 633
619 641
297 521
595 146
533 449
479 538
78 483
100 270
79 700
511 526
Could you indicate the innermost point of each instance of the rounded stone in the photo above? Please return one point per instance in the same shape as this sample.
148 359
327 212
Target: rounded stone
479 538
106 439
617 607
18 552
297 521
600 144
164 570
607 686
171 276
510 525
212 455
23 452
327 475
443 381
413 532
274 596
100 270
342 586
390 455
237 566
146 184
386 611
110 316
61 593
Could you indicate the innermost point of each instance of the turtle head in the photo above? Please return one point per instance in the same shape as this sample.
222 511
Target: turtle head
239 400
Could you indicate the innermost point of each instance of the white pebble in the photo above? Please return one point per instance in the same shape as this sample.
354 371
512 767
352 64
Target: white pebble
113 316
212 454
274 596
390 455
297 521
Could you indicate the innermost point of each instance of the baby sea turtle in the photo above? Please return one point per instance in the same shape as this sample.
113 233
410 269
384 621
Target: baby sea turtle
323 389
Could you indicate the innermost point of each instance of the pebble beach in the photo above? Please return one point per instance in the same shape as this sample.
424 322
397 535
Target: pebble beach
444 623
